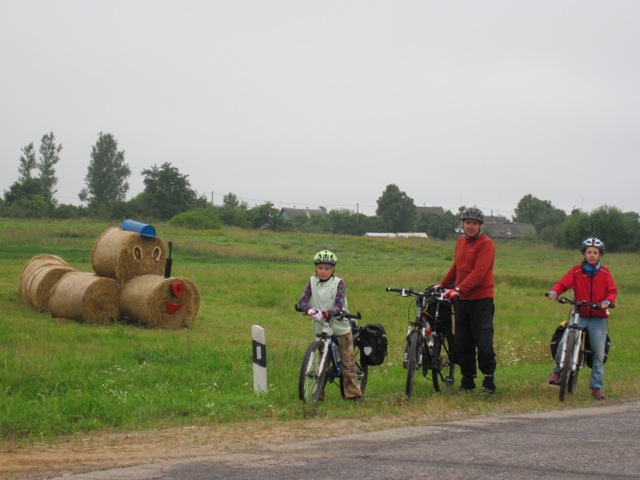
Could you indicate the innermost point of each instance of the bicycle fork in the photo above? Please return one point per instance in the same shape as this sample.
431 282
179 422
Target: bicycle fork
577 339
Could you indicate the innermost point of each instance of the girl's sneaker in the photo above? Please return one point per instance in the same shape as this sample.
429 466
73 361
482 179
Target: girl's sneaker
597 394
554 378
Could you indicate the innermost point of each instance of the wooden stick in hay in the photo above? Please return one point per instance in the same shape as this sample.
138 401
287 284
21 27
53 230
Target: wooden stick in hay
86 297
160 302
123 255
32 267
42 283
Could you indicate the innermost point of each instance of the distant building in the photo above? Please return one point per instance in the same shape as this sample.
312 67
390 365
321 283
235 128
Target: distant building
495 219
515 231
380 234
397 235
291 213
425 209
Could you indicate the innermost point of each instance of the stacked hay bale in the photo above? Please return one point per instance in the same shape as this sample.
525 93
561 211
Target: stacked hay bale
129 263
160 302
87 298
39 277
123 255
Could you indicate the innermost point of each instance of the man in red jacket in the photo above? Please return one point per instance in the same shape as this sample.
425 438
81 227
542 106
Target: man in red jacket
470 282
593 283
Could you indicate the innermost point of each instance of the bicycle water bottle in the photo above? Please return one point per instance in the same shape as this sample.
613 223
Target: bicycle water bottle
336 356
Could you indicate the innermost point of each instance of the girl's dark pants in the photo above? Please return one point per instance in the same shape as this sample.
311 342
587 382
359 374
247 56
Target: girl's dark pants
474 333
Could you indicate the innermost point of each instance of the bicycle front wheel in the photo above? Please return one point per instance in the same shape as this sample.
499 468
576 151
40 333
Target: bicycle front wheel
443 366
566 373
311 381
412 360
573 381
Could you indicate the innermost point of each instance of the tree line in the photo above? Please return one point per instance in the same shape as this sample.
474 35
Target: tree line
168 196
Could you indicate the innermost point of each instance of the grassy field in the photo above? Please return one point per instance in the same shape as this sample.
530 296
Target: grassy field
59 377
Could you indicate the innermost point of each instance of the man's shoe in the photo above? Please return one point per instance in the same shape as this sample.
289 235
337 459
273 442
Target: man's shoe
554 378
489 385
465 390
598 394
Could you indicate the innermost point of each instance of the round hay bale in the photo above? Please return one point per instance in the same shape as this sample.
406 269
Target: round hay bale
160 302
42 283
86 297
123 255
32 267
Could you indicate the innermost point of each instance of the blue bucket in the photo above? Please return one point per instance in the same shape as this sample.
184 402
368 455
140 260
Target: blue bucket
138 227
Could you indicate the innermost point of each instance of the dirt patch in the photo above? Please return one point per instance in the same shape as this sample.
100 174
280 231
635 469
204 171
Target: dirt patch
79 454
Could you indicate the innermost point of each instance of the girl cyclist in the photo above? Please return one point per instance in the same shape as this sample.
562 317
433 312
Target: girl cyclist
593 283
323 298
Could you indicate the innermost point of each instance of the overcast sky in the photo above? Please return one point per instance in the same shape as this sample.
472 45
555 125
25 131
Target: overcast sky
325 103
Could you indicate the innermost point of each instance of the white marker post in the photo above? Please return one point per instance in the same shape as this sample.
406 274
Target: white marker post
259 359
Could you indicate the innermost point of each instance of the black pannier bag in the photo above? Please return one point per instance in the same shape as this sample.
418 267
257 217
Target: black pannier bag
588 353
445 315
373 344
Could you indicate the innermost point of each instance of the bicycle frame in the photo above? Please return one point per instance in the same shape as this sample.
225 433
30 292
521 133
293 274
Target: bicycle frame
327 337
320 365
424 338
572 357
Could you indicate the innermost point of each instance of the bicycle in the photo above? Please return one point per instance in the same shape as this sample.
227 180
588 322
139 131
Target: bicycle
572 357
321 362
429 340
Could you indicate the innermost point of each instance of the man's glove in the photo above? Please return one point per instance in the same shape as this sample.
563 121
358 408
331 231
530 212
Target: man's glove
318 317
452 294
312 311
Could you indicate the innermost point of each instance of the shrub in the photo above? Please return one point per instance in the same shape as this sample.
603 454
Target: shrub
197 219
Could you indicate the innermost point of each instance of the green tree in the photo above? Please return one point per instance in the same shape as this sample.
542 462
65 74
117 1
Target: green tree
613 227
28 198
49 157
27 162
438 225
540 213
107 174
167 192
397 209
572 231
266 216
618 231
234 212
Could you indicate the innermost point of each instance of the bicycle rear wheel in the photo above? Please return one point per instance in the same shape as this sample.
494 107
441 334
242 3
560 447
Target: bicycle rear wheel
412 360
566 373
443 366
311 381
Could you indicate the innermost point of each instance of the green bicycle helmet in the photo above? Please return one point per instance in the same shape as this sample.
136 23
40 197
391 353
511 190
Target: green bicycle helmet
325 256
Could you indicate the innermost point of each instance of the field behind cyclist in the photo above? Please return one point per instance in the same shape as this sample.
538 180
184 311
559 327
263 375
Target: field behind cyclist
59 377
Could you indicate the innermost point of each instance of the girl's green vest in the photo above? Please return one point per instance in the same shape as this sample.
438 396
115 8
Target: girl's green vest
323 297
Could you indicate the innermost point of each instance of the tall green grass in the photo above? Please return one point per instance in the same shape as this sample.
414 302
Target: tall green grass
58 377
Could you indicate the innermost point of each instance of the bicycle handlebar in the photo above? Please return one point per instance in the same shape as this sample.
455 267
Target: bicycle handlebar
342 314
577 303
430 291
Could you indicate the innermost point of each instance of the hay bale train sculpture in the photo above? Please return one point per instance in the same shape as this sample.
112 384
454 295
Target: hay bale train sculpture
131 279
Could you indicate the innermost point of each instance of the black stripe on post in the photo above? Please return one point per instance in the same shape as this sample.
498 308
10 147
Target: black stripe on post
259 354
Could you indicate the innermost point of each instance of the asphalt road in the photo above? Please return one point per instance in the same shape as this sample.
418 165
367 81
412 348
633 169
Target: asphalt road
602 442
